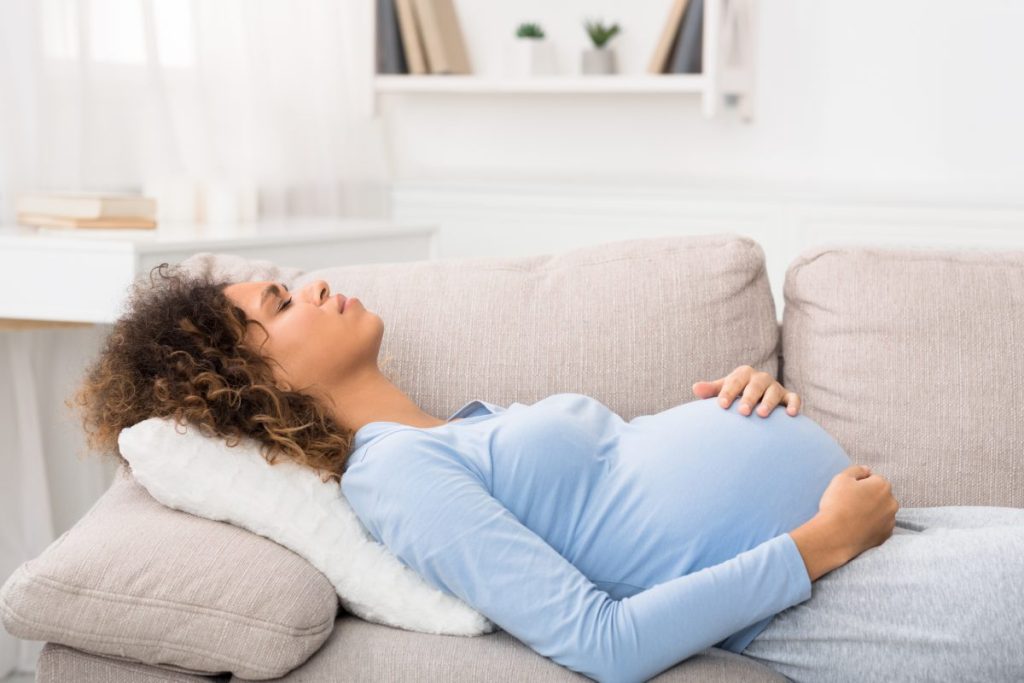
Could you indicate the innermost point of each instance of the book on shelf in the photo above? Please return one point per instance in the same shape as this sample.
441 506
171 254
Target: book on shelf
50 221
686 55
412 41
390 55
660 59
443 42
86 205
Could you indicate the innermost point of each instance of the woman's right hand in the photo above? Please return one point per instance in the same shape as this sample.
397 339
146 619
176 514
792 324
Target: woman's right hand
860 508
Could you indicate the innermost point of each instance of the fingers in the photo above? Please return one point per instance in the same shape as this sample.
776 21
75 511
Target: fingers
705 389
755 386
733 384
856 471
776 394
772 397
755 389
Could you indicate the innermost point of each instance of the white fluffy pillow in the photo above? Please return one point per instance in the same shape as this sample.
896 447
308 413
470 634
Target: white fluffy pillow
289 504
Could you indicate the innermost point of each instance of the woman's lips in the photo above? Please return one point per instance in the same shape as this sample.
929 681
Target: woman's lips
341 302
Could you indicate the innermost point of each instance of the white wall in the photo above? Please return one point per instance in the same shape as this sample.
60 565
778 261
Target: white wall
913 100
875 122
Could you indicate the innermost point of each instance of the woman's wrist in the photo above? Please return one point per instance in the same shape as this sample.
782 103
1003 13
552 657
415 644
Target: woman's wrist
821 546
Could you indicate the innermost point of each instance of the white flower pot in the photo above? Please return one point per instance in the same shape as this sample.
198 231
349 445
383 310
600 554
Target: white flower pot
530 57
598 61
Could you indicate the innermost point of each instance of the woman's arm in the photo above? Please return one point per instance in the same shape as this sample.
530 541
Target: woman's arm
818 542
440 520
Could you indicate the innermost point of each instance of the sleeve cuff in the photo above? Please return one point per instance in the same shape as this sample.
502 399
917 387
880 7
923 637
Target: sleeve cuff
801 580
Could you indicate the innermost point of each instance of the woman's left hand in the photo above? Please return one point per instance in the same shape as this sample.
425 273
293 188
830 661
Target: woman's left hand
755 386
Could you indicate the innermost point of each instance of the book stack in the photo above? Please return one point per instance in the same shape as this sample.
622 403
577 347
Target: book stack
86 210
682 41
419 37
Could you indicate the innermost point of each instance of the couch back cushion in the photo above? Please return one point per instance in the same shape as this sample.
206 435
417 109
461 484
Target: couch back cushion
631 323
137 580
914 360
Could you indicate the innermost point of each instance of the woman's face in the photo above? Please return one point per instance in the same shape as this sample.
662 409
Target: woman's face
311 339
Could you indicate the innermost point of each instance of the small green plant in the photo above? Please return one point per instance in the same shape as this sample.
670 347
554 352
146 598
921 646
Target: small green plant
599 33
529 30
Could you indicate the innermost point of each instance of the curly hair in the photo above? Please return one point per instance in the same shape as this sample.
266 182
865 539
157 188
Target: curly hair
178 352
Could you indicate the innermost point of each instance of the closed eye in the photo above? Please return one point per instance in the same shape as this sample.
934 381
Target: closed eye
284 305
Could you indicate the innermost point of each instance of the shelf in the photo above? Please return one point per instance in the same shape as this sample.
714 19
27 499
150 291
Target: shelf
612 84
729 45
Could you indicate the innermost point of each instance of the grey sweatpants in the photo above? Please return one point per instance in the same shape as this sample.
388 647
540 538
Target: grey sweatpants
942 599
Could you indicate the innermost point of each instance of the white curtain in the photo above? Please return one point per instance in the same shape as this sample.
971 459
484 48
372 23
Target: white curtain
249 104
224 110
48 480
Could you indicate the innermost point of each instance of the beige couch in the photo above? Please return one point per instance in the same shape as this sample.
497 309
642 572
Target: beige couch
912 359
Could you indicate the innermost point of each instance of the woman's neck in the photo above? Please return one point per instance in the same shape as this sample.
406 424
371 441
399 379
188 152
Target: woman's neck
372 397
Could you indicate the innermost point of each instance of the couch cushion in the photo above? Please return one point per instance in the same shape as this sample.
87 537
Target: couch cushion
362 652
60 664
135 579
914 360
632 323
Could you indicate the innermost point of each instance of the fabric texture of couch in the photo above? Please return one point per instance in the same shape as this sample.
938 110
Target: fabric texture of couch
632 323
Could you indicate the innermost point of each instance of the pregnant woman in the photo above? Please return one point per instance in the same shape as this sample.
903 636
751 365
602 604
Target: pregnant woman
615 548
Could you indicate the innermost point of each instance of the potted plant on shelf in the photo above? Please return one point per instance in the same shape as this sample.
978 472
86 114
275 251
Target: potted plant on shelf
599 59
531 53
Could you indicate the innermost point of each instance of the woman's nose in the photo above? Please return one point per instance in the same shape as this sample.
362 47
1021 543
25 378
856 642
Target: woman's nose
320 290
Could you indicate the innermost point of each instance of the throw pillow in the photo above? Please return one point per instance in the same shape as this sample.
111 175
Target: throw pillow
137 580
289 504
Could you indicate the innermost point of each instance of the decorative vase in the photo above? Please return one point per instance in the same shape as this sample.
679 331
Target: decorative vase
530 57
598 60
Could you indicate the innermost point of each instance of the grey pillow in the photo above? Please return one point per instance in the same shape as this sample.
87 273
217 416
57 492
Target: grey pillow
137 580
914 360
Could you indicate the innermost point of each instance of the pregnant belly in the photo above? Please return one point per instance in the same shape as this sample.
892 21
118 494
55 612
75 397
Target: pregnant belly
715 482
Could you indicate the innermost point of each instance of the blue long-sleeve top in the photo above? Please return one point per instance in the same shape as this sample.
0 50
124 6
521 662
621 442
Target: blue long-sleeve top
615 548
